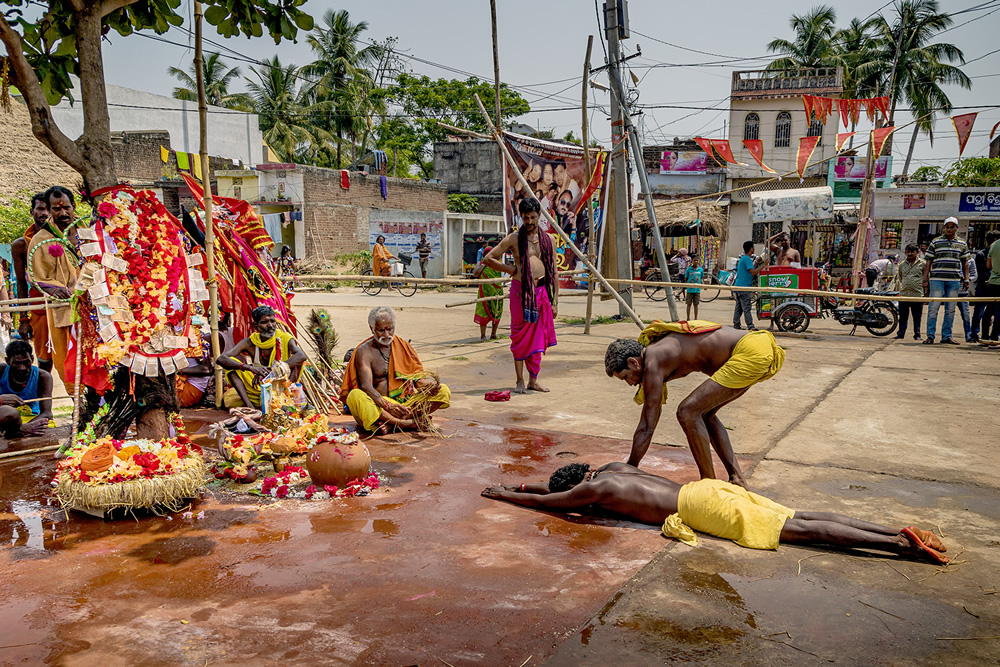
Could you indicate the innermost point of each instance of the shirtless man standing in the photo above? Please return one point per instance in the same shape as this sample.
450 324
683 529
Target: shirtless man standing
783 250
534 293
734 360
710 506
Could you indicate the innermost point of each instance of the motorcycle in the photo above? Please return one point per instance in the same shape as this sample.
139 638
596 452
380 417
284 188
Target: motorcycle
880 318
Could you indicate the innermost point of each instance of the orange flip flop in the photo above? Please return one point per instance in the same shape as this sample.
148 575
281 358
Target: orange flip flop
931 553
929 538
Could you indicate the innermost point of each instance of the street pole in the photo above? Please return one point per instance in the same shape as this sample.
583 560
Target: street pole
623 238
206 186
618 103
586 167
496 79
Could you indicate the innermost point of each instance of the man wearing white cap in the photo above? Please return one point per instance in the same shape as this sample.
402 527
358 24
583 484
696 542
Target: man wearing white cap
945 274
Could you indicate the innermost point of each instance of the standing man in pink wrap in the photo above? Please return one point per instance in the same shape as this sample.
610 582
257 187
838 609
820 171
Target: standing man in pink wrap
534 293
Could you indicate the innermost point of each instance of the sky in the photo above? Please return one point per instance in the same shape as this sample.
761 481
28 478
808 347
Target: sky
542 46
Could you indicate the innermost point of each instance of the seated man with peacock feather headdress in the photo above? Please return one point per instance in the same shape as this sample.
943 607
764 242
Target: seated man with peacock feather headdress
385 386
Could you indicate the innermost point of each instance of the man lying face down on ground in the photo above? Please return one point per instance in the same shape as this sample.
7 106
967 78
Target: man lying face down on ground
710 506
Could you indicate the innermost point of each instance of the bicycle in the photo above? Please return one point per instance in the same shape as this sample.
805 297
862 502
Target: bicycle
405 288
658 292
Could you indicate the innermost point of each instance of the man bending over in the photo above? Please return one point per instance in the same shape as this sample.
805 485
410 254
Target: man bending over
709 506
733 360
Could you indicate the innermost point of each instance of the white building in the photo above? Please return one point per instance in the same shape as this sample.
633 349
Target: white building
231 134
767 105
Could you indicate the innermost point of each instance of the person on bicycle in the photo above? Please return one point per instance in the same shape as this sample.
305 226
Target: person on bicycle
381 257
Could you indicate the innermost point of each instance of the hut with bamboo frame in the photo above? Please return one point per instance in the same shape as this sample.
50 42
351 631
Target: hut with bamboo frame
700 225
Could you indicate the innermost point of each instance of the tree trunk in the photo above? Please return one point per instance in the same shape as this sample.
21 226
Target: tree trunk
339 140
909 153
99 161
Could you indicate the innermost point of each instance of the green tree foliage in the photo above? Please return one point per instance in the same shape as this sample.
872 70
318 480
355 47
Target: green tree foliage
927 175
218 77
15 214
973 172
460 203
43 51
813 45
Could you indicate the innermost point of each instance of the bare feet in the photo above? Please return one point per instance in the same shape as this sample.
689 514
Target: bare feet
493 337
519 389
911 545
483 339
929 538
534 386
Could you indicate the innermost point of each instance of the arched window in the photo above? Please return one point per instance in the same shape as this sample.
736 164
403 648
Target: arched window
815 129
783 130
751 126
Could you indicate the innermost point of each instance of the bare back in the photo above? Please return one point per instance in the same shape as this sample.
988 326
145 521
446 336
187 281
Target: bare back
677 355
638 496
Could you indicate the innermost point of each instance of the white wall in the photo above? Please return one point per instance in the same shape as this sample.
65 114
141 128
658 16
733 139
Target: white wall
231 134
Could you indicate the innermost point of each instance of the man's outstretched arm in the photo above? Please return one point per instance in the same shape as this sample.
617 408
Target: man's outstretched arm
651 409
578 497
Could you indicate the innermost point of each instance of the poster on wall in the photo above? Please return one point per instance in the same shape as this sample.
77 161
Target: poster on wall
398 241
853 168
557 177
914 201
684 162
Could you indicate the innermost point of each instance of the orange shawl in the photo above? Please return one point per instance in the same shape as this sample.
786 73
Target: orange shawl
380 260
403 364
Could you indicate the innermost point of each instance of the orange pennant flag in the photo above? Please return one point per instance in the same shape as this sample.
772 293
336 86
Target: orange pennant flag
756 149
842 139
808 101
806 147
824 108
844 107
855 107
722 147
994 130
706 145
963 128
879 135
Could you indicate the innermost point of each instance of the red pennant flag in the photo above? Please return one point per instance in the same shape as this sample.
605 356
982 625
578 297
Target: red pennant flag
855 106
824 108
879 135
994 130
842 139
844 107
808 101
963 128
706 145
806 147
756 149
869 108
722 147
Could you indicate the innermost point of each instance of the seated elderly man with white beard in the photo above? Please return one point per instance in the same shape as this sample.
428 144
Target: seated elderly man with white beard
385 386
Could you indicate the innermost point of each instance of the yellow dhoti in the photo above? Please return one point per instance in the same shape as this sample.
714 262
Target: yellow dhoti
755 358
363 407
725 510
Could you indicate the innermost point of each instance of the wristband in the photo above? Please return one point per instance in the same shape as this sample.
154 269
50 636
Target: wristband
522 487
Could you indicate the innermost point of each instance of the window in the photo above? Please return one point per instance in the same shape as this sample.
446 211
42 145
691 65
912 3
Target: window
762 231
892 232
815 129
751 126
783 130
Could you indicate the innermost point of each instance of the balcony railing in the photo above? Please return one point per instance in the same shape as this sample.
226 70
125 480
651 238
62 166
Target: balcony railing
787 80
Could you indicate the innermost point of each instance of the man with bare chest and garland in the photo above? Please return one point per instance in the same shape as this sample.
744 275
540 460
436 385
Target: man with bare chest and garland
534 293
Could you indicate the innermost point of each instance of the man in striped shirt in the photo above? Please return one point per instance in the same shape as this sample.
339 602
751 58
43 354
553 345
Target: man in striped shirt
945 274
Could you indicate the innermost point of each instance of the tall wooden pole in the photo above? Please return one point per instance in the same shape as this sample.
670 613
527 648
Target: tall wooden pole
586 166
206 185
496 67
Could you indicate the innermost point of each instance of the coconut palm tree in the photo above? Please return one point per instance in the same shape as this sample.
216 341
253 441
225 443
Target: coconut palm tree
922 67
218 77
813 45
285 112
342 81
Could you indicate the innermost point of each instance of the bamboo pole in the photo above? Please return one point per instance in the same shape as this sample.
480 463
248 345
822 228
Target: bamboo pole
458 282
206 186
26 452
496 297
586 166
77 382
569 243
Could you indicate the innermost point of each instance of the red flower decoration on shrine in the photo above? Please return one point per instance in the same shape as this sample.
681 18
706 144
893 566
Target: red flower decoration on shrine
56 249
107 210
281 491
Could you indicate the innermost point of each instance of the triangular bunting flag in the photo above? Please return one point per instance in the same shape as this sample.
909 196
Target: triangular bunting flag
756 148
806 147
824 108
722 147
869 108
706 145
842 139
808 101
963 128
994 130
855 107
879 135
844 107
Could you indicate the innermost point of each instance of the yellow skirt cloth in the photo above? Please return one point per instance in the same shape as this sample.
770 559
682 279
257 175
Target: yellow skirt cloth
363 407
755 358
725 510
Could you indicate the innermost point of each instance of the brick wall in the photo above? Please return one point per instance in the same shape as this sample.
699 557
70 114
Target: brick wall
137 156
336 220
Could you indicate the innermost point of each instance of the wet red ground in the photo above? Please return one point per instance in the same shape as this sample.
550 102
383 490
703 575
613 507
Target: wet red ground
423 571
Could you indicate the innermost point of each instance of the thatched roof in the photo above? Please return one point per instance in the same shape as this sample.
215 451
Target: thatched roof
24 162
714 220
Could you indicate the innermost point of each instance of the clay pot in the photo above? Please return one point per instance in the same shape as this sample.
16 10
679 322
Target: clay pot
332 463
98 459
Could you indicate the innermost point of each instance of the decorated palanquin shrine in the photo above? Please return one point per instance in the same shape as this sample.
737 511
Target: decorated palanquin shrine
141 308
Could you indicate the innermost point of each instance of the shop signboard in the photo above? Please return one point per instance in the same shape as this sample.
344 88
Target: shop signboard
979 202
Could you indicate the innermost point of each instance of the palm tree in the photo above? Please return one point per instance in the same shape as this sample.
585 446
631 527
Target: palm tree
921 66
217 80
814 41
343 83
285 112
863 60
